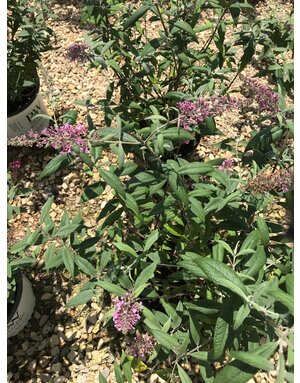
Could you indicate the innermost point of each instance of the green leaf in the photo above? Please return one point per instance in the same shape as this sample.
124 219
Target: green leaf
222 329
221 274
289 282
283 298
113 181
195 168
239 372
68 260
249 51
111 288
263 229
101 378
184 26
145 275
81 298
166 340
241 315
59 162
118 373
70 117
201 355
45 210
183 375
125 248
256 261
252 359
67 229
135 16
85 266
153 237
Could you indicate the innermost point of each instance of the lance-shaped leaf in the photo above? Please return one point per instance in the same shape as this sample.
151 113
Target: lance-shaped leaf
239 372
59 162
135 16
221 274
145 275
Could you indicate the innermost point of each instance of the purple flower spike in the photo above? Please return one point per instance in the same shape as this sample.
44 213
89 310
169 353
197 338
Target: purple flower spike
266 98
127 312
141 345
15 165
227 165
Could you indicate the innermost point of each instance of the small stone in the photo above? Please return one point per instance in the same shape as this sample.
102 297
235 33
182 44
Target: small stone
100 343
32 365
105 372
54 341
46 297
65 186
9 376
47 329
56 367
70 335
55 351
81 378
43 344
25 345
34 336
71 356
37 315
10 358
45 378
59 379
45 360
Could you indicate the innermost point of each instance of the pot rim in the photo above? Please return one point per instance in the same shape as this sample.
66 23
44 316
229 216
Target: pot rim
18 294
20 109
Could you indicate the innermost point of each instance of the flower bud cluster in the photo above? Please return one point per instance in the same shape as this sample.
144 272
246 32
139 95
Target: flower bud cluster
77 52
127 312
194 112
281 180
141 345
266 98
227 165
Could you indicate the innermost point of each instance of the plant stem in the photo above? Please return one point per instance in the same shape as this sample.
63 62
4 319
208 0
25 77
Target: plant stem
206 45
287 136
232 81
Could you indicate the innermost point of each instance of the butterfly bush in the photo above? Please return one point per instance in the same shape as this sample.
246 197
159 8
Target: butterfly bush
227 165
195 112
281 180
77 52
266 98
65 138
127 312
141 345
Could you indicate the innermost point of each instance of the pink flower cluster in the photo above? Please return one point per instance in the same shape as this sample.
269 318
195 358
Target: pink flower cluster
266 98
281 180
127 312
141 345
15 165
227 165
194 112
63 137
77 52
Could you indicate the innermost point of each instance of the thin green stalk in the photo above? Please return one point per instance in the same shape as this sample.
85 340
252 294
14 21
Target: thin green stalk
206 45
168 39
